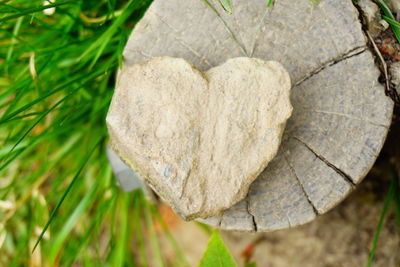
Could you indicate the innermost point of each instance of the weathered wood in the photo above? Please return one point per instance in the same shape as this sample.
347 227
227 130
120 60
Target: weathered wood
341 114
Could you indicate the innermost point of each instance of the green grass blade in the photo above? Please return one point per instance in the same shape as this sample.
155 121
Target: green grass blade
153 235
22 151
388 200
29 11
41 117
72 220
102 42
138 228
15 34
226 5
182 261
397 203
388 14
45 159
391 21
119 256
97 221
83 80
53 213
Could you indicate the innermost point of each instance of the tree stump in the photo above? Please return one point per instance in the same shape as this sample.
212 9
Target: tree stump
341 115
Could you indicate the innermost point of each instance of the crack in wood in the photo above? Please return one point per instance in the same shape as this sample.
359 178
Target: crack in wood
292 170
351 53
343 115
251 214
220 219
346 177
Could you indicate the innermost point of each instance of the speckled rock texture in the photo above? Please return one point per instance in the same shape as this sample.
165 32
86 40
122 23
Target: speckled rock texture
200 139
340 112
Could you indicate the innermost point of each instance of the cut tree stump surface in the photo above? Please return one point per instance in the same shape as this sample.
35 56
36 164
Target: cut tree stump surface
341 115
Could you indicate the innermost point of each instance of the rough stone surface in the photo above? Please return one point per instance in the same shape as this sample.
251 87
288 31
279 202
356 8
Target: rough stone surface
394 5
340 112
198 139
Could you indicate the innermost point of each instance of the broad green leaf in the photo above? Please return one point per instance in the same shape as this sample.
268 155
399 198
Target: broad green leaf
217 254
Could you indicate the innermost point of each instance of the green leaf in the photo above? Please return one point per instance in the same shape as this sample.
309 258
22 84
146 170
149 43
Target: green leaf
217 254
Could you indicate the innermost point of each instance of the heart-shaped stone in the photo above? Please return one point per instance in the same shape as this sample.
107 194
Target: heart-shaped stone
199 139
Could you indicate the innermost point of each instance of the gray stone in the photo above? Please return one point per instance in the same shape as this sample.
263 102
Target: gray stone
372 16
127 179
341 114
394 5
199 139
394 71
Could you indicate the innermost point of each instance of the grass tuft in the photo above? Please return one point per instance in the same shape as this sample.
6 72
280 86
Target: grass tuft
57 76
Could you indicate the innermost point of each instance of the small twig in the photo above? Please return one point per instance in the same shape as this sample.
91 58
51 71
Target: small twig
392 93
383 62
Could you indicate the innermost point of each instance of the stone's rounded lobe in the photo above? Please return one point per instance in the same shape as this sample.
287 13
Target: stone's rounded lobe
200 139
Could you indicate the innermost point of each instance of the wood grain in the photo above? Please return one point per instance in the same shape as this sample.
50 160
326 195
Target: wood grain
341 115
